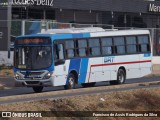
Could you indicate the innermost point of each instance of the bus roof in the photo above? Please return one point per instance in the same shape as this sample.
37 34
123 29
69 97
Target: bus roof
121 33
75 30
85 32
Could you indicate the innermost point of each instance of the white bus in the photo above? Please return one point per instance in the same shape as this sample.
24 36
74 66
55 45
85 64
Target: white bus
66 57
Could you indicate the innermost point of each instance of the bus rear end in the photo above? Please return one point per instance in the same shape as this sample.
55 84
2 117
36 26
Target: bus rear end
33 62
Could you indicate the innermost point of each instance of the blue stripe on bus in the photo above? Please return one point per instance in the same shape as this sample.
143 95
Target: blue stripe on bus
69 36
83 70
86 35
62 36
81 35
74 66
77 35
59 36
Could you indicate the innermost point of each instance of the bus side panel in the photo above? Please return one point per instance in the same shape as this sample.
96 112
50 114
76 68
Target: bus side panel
146 65
109 69
130 63
60 74
95 70
83 73
113 73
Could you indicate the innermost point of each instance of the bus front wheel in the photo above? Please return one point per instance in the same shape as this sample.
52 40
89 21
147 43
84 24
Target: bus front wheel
37 89
71 82
120 78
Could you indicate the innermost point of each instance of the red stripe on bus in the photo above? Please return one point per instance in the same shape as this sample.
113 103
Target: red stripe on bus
119 63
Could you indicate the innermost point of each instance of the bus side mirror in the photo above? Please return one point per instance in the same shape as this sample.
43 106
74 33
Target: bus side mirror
11 47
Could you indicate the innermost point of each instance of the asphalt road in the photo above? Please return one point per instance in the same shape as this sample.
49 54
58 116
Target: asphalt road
24 90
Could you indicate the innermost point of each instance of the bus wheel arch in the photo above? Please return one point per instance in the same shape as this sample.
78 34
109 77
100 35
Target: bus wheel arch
123 68
72 80
76 76
121 76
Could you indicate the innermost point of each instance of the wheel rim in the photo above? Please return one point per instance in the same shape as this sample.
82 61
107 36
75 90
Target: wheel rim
71 82
121 78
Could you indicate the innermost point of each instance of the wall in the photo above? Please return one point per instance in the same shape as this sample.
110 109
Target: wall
5 17
4 58
78 16
106 5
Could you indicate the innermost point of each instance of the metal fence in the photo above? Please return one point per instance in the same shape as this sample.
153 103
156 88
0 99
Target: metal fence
24 27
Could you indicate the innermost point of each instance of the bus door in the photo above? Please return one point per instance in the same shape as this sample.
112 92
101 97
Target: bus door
95 70
60 71
146 56
108 59
95 61
109 69
132 60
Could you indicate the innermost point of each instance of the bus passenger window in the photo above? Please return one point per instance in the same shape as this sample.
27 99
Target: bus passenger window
143 42
106 46
94 47
119 44
82 52
131 44
107 50
70 53
69 44
82 47
59 52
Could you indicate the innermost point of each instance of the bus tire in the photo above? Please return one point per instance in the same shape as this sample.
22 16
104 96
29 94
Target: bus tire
71 81
37 89
88 84
121 77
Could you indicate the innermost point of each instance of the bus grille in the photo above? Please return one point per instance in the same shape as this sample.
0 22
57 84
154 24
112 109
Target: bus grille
32 82
32 73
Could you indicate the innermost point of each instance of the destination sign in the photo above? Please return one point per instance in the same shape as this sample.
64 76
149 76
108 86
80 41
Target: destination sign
25 41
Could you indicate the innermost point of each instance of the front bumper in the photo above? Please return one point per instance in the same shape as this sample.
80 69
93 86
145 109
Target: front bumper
33 78
31 83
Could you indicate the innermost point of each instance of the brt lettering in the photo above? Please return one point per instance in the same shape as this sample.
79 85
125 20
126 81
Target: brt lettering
108 59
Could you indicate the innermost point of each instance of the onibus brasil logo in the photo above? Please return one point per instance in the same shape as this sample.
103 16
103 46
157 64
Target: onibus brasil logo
26 2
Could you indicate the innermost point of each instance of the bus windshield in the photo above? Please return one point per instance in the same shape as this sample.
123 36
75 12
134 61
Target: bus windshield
32 57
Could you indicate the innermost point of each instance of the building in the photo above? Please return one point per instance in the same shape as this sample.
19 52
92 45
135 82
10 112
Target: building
5 15
120 13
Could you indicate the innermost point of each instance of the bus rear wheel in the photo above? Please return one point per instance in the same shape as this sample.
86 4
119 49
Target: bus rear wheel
37 89
88 84
121 77
71 82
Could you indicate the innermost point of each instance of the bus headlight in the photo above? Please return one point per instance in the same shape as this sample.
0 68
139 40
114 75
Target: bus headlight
17 76
48 75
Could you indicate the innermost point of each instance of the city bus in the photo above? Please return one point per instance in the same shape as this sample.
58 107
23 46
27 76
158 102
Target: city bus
81 56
